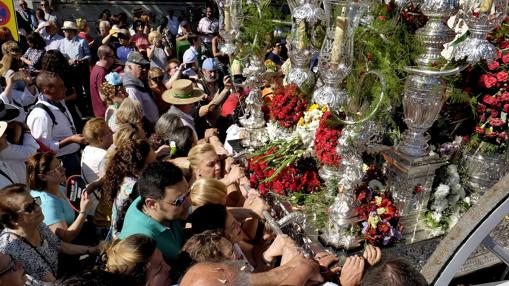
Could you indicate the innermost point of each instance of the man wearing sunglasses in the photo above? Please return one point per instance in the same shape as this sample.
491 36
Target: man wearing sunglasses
161 209
12 273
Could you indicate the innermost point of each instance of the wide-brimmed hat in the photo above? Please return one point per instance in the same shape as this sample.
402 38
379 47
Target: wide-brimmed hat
3 127
70 25
8 112
182 92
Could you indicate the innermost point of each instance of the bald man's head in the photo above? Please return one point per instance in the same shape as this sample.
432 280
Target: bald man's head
216 274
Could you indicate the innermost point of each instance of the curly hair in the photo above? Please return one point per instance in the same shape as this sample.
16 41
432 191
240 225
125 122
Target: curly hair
206 246
54 61
109 91
128 161
128 257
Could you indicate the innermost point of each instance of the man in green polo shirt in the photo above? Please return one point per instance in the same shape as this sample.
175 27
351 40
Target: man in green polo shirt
160 209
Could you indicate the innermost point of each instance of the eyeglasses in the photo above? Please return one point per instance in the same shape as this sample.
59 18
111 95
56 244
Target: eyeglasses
13 266
30 208
179 201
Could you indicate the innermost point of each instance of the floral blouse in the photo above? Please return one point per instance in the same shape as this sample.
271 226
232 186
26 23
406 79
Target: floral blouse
36 267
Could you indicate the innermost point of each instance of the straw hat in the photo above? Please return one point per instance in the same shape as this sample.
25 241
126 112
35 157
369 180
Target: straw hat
182 92
70 25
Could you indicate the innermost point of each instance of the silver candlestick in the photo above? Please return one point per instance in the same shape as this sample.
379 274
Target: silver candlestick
336 55
305 15
481 18
411 166
253 119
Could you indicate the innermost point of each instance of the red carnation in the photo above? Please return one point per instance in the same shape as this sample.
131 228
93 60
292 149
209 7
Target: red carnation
493 65
488 80
288 106
479 130
325 142
481 108
496 122
502 135
494 113
506 108
505 96
490 100
502 76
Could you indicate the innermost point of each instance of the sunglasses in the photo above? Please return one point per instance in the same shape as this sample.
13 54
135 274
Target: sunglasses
179 201
157 78
60 168
30 208
12 267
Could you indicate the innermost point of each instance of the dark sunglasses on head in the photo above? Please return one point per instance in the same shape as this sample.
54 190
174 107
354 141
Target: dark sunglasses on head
30 208
11 267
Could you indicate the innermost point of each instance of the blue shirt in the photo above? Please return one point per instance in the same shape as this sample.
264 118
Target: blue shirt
169 240
55 209
122 53
76 48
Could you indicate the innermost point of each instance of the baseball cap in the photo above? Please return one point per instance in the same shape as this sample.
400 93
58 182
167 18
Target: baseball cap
137 58
189 57
209 64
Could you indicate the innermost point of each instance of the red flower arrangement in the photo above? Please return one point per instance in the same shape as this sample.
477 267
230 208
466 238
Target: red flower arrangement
326 140
492 110
288 105
379 216
291 179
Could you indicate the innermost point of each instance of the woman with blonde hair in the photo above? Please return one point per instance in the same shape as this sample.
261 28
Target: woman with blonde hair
138 257
156 52
207 191
84 30
205 163
129 111
11 59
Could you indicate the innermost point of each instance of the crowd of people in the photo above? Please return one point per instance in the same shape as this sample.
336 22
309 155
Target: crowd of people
149 130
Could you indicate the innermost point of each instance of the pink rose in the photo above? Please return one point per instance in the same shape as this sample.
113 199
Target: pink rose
489 100
488 80
502 135
505 58
505 96
493 65
502 76
496 122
